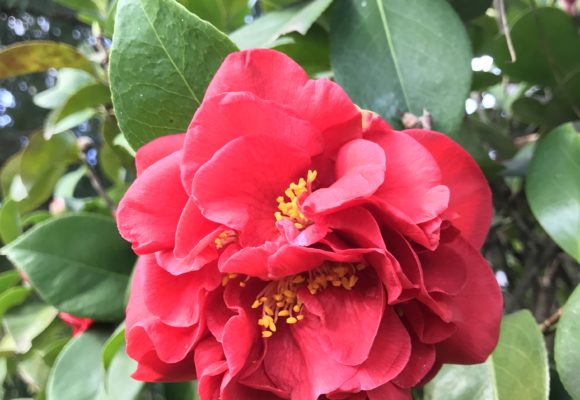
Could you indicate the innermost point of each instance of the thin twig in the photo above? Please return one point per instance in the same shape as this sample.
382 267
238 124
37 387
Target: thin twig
504 27
551 320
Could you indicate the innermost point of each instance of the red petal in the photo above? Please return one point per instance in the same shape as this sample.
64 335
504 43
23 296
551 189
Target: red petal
242 114
388 357
148 214
146 333
238 187
479 307
322 102
419 365
412 180
360 170
470 193
177 300
389 391
157 149
349 319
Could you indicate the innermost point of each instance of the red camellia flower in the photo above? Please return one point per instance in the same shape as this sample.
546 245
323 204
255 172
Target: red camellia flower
296 247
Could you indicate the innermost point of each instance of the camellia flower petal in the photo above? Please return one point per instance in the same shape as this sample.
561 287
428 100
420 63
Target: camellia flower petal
294 246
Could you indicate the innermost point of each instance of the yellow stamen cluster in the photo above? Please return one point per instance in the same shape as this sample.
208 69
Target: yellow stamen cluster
279 299
290 210
225 238
226 278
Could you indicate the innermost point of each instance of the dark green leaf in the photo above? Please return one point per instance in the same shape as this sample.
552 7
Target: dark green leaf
37 56
265 31
74 380
311 51
546 114
10 225
89 257
547 47
403 56
469 9
517 369
553 187
226 15
567 345
162 60
482 80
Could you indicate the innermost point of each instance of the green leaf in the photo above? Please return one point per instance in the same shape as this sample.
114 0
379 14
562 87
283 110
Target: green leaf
517 369
12 298
9 279
264 31
400 56
53 127
310 51
10 225
546 114
119 384
162 60
38 56
469 9
89 257
553 188
112 345
88 10
547 47
567 344
482 80
73 379
226 15
27 322
68 81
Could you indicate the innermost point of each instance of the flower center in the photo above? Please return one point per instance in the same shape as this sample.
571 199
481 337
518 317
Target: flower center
290 209
279 299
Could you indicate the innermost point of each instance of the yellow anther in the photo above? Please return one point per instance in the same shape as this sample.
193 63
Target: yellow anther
268 310
279 299
225 238
290 210
242 284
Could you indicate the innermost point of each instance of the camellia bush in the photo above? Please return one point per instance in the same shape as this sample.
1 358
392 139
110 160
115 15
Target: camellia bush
264 200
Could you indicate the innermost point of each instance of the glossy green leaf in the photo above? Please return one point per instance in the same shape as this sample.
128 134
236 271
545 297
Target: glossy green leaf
547 47
553 187
469 9
92 272
87 10
226 15
54 126
74 380
119 385
162 60
264 31
567 344
12 298
403 55
113 344
38 56
10 225
9 279
517 369
482 80
27 322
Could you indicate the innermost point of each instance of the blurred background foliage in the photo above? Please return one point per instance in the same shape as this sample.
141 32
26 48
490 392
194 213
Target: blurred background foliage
511 98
